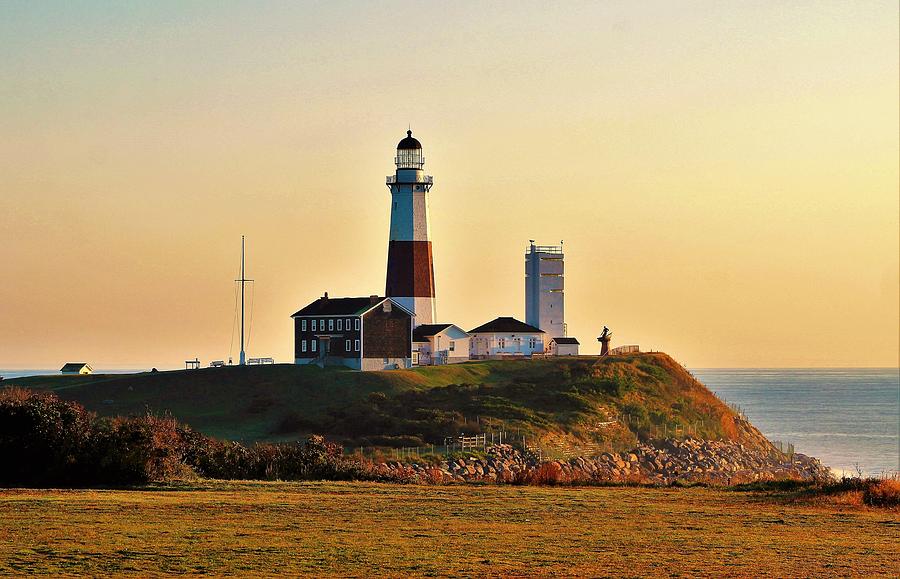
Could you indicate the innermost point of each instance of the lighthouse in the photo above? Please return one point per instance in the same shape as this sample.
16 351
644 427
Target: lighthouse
410 271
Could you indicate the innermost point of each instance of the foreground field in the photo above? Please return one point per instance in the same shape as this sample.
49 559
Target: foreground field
356 529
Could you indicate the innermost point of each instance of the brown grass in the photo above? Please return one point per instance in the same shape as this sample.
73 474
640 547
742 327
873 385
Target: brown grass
883 493
366 529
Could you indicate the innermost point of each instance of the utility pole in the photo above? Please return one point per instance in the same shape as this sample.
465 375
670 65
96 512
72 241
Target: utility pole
243 359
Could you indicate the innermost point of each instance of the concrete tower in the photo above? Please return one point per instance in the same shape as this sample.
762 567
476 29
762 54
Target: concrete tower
410 272
544 303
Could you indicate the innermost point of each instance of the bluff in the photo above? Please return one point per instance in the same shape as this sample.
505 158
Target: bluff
564 406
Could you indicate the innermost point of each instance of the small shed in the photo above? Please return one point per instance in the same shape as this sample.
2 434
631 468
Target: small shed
563 346
435 344
76 368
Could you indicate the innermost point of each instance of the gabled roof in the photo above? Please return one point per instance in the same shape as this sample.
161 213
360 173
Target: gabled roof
562 340
326 306
507 326
425 331
73 366
421 333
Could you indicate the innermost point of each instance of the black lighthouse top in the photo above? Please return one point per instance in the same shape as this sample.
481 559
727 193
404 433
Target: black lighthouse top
409 153
409 142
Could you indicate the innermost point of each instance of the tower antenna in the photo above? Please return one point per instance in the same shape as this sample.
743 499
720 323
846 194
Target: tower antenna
243 359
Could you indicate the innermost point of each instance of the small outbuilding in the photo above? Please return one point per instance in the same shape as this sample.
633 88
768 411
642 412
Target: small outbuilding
436 344
563 346
76 368
506 337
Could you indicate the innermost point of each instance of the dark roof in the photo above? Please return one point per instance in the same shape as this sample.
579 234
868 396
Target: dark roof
506 325
409 142
425 330
69 366
565 340
326 306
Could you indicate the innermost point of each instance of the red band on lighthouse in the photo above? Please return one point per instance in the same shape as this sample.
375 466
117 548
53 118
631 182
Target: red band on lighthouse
410 271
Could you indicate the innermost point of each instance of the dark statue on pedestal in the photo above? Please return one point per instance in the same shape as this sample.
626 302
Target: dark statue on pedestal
604 340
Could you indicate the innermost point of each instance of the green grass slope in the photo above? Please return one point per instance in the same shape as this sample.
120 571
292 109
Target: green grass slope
568 406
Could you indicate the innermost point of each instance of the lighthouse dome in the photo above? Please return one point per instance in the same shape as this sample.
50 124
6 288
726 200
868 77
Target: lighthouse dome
409 153
410 142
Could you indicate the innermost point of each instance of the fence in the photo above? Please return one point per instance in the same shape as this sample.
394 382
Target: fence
785 448
475 442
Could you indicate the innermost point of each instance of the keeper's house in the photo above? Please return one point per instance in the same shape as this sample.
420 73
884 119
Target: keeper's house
373 333
505 337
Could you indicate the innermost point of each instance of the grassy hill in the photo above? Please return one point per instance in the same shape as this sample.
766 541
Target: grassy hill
571 406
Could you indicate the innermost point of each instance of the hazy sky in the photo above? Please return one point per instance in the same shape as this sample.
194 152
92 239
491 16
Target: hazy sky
724 174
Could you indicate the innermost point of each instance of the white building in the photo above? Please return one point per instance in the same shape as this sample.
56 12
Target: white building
544 303
76 368
562 346
506 337
435 344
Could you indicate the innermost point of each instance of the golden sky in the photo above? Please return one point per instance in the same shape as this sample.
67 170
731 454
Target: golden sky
724 175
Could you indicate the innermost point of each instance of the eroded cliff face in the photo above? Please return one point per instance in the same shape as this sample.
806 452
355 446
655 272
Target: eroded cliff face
649 397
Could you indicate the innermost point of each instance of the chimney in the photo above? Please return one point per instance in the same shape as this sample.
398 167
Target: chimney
324 298
374 300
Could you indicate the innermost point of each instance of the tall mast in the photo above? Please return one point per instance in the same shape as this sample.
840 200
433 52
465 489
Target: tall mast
243 359
243 356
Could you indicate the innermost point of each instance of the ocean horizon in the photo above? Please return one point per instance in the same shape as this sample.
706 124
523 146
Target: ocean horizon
849 418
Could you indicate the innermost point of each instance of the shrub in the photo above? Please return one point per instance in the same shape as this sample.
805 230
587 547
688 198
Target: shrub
882 493
43 440
547 474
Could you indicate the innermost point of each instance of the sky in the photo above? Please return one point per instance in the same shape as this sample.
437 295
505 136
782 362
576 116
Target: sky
724 175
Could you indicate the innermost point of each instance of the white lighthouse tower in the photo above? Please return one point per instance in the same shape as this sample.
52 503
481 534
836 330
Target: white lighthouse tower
410 271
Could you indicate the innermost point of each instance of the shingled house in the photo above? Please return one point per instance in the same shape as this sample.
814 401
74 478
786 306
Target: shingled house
369 333
505 337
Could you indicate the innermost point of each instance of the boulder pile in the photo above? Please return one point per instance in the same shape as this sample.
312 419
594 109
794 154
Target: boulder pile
662 462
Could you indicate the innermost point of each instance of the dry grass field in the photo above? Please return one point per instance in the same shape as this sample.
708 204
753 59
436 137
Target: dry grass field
362 529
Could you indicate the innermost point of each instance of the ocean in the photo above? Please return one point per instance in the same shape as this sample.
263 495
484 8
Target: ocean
848 418
45 372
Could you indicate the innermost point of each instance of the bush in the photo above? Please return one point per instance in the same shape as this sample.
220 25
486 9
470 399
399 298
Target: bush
45 441
548 474
42 439
882 493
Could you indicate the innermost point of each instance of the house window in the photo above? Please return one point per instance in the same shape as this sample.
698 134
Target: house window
348 324
330 324
340 324
322 325
314 342
314 325
501 342
302 325
356 325
452 345
347 346
356 345
532 343
303 346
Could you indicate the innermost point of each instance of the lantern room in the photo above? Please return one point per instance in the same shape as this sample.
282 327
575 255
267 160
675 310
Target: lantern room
409 153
